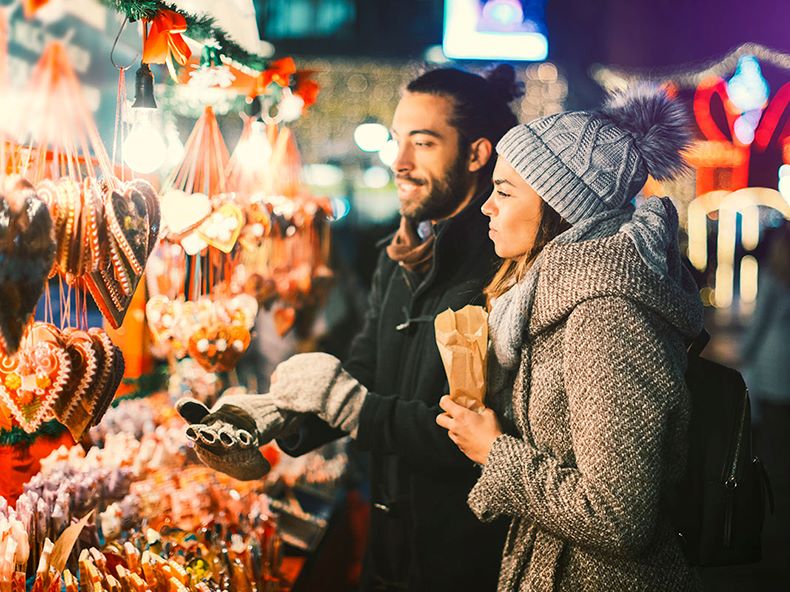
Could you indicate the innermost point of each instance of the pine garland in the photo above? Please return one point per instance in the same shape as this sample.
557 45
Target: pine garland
16 436
199 27
145 385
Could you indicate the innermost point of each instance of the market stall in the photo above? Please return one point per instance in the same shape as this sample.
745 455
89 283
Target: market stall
101 488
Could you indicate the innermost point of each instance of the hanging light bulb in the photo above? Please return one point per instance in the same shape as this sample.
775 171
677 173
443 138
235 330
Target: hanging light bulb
144 149
255 152
175 147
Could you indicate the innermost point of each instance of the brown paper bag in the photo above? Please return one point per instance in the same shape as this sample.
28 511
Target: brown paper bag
462 338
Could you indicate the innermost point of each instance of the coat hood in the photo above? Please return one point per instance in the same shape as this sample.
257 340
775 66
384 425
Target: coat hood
612 266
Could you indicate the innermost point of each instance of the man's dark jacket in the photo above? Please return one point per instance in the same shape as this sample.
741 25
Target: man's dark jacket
422 534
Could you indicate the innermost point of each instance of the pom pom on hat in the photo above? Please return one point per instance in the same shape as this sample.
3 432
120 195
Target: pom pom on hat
658 124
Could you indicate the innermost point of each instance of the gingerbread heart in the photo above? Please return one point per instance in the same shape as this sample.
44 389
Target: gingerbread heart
182 212
84 365
147 191
162 313
242 309
94 229
69 227
27 254
127 220
218 348
33 379
222 228
113 284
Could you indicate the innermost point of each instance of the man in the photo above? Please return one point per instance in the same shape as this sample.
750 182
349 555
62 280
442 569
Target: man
422 534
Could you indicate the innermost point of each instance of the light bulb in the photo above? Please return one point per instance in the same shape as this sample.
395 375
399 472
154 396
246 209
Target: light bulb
144 149
175 147
255 151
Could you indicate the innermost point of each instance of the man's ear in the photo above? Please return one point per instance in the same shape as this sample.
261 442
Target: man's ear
480 152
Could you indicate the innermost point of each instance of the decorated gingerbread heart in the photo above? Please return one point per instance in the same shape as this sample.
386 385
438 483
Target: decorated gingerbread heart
182 212
162 314
112 285
218 348
27 254
33 379
222 228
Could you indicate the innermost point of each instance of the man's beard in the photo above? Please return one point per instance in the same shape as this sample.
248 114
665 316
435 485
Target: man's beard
446 193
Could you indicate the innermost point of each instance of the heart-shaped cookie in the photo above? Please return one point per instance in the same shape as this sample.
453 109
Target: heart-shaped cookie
33 379
162 313
182 212
242 309
128 219
147 191
217 348
27 254
88 409
222 228
84 365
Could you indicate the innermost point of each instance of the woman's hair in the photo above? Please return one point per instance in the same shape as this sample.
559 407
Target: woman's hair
779 257
513 271
480 103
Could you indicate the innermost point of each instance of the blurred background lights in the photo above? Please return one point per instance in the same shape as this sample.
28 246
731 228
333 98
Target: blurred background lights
371 137
388 153
376 177
322 175
747 89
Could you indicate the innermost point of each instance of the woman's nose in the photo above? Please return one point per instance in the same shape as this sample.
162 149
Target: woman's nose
488 207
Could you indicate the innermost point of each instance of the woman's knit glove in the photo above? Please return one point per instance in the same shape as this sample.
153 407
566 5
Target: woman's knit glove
227 436
316 383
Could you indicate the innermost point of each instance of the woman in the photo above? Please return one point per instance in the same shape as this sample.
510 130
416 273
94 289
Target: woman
590 317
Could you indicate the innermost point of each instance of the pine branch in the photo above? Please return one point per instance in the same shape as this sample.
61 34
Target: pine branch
199 27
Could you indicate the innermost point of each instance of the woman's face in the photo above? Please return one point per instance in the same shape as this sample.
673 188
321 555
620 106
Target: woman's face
515 210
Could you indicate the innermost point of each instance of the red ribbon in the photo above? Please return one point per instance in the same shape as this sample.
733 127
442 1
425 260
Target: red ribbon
164 39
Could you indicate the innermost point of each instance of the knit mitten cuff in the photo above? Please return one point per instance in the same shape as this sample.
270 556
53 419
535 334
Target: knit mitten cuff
268 420
316 383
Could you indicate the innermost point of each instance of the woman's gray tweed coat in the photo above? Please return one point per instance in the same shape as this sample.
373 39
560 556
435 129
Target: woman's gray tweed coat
602 413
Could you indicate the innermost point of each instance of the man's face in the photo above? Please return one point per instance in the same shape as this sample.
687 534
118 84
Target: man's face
431 174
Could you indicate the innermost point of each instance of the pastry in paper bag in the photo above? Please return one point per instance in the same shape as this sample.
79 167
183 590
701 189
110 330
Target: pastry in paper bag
462 339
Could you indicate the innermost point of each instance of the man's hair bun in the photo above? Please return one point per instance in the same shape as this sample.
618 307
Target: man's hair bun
504 84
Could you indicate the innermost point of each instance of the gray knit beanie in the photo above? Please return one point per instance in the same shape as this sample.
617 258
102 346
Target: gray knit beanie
583 163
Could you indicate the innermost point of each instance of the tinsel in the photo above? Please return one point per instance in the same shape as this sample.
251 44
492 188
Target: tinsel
199 27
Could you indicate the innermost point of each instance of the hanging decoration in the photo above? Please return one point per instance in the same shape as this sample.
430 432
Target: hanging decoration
198 27
103 231
196 313
285 242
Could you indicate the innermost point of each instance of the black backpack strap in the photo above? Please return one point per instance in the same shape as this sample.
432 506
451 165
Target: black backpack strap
698 344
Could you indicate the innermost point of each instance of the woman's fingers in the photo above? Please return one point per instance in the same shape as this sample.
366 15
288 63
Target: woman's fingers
445 420
450 406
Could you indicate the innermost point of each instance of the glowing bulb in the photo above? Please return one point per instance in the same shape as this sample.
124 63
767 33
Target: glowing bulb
144 149
371 137
389 153
175 147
